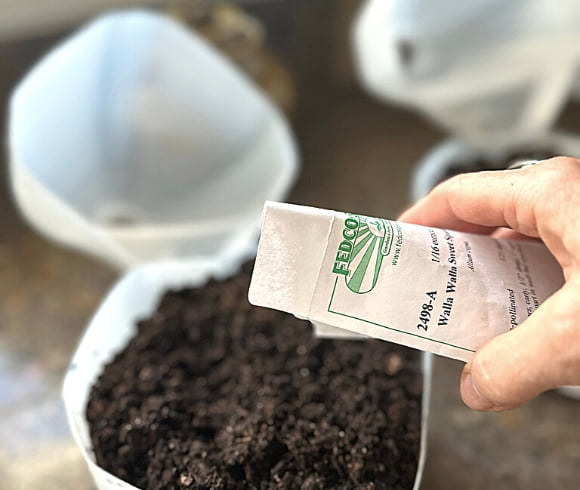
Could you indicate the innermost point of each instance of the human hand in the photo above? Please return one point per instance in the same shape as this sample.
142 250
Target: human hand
543 202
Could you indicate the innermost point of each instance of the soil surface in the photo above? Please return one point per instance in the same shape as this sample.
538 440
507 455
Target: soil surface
213 393
482 163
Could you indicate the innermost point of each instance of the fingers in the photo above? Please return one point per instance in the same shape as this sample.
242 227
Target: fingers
483 200
540 201
443 208
480 202
540 354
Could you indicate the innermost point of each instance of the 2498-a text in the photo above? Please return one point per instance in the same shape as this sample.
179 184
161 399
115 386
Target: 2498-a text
425 314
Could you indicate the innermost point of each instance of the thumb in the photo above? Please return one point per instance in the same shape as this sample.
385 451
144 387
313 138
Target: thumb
541 353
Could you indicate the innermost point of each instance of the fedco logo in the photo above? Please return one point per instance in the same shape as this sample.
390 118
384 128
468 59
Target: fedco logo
366 242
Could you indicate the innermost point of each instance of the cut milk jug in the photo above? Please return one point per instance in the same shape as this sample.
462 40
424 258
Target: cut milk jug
435 290
136 141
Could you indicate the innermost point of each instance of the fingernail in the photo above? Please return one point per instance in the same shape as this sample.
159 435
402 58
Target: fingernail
471 396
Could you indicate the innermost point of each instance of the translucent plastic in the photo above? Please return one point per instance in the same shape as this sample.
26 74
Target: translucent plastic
494 73
136 141
436 164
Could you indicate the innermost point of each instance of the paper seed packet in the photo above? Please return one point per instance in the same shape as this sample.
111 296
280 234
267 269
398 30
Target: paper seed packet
435 290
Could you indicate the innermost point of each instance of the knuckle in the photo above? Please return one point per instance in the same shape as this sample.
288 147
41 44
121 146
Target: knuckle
526 201
558 174
546 186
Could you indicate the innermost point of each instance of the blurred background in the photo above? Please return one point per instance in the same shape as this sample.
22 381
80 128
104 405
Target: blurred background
361 149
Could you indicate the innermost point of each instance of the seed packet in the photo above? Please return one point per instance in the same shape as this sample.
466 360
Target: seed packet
432 289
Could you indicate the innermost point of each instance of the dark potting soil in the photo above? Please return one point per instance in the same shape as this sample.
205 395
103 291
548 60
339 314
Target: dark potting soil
213 393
